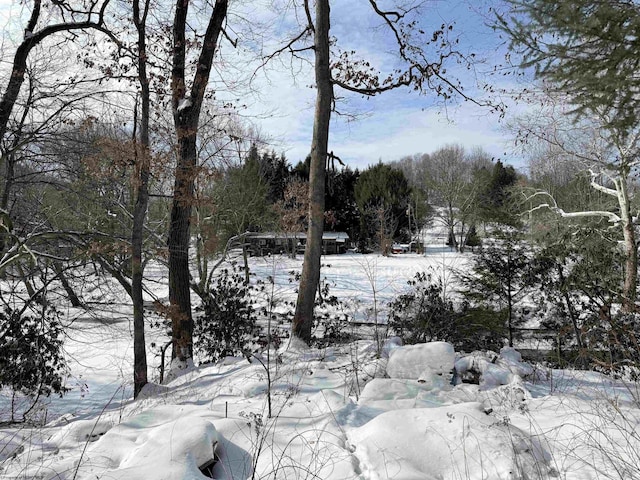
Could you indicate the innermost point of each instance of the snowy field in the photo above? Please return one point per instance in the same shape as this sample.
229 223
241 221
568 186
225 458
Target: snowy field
358 411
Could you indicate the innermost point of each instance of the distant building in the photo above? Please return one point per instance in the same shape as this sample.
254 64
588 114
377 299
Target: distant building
267 243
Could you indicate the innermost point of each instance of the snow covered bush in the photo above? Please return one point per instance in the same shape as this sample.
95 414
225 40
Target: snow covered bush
421 361
424 315
226 320
31 357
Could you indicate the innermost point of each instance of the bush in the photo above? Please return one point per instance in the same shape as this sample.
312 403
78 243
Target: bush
479 328
31 357
331 325
226 321
614 343
423 315
329 320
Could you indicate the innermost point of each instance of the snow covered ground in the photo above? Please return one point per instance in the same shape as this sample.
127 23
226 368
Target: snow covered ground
348 412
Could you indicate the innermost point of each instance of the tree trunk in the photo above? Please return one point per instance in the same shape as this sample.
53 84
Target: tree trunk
630 247
178 243
140 209
303 319
9 177
16 79
509 288
510 316
573 316
451 224
71 294
186 115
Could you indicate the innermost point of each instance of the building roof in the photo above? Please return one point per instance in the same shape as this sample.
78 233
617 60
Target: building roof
336 236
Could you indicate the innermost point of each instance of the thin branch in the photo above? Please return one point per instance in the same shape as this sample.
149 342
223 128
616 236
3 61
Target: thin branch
287 47
307 12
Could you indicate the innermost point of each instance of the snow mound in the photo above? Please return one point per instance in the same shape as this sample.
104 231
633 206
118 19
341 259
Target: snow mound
165 439
178 368
391 393
457 441
490 370
421 361
81 431
390 344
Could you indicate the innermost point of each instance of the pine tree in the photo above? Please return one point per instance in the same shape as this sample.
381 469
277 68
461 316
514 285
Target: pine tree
495 197
382 195
586 49
501 277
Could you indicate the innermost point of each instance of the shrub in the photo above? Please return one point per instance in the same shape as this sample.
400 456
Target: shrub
226 321
330 324
424 315
329 320
614 343
479 328
31 357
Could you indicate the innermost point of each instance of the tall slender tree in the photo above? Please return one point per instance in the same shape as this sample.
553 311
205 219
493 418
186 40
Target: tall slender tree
143 167
421 70
303 318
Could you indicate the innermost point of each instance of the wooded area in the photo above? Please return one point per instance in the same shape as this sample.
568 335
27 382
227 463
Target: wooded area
130 157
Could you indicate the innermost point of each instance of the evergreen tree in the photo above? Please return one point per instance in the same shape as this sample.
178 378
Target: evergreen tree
382 195
587 49
494 199
501 277
301 170
342 213
580 271
240 202
274 171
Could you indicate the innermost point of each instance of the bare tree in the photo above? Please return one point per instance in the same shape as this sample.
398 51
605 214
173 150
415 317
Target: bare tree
187 100
448 176
141 180
293 210
352 74
70 19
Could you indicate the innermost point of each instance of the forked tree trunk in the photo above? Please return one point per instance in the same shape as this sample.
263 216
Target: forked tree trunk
303 319
186 115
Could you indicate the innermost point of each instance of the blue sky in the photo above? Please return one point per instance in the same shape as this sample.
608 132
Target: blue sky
398 123
387 127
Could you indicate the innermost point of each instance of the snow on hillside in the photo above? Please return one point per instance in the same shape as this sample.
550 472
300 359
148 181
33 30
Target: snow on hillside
356 411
